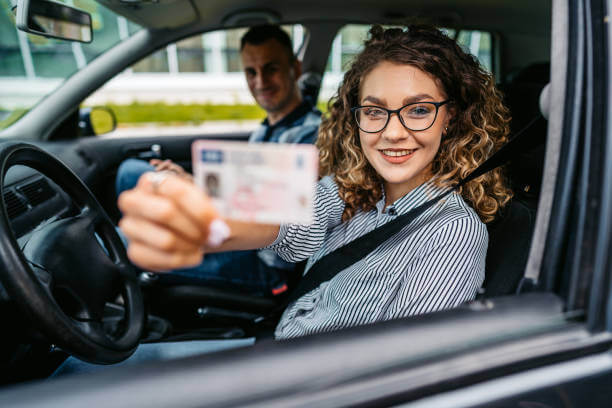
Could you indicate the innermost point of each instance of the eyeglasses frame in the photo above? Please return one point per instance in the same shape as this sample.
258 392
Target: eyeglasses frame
397 111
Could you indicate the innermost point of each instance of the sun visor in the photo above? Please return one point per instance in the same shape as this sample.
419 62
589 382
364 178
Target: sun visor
155 13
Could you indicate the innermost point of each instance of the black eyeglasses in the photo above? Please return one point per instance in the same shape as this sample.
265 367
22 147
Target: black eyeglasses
415 116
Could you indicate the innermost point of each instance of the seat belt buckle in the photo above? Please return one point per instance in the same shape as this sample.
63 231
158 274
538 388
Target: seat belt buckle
279 290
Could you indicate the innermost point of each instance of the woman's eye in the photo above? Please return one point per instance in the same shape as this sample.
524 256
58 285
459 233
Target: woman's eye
373 113
419 110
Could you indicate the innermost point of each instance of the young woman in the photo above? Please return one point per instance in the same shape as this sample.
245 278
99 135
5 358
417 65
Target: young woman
413 116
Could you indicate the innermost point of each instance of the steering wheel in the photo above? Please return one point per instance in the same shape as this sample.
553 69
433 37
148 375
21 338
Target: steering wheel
78 257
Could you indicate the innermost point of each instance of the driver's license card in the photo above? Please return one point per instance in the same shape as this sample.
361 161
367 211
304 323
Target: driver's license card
269 183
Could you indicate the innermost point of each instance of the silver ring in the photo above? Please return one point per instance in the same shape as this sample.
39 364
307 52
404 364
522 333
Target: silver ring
157 178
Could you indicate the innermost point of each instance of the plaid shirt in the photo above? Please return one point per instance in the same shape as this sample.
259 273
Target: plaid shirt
299 126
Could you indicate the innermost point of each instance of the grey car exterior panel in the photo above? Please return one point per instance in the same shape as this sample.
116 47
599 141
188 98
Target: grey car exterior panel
398 359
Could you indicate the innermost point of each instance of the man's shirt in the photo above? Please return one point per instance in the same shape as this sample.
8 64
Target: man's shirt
299 126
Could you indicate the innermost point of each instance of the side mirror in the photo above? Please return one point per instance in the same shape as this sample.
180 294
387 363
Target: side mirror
54 20
97 120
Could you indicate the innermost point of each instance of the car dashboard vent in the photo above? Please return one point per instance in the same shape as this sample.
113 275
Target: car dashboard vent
37 192
14 206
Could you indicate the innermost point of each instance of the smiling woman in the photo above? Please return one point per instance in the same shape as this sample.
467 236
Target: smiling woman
469 122
371 176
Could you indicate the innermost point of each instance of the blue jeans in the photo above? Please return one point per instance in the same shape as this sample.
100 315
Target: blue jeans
242 271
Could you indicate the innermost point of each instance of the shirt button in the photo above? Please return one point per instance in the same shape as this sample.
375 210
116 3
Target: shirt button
392 211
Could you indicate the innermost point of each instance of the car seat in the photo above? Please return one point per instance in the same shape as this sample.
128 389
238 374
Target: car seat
510 235
309 84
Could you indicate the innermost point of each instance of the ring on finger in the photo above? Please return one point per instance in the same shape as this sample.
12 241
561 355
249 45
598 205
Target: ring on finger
157 179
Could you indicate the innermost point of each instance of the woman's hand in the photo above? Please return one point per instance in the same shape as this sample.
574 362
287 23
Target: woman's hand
167 221
170 223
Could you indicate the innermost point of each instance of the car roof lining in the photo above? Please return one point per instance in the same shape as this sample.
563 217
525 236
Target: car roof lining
505 15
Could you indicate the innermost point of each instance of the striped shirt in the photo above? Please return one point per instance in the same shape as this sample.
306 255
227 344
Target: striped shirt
434 263
298 126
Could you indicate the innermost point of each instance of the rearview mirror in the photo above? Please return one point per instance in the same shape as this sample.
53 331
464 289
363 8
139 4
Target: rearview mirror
54 20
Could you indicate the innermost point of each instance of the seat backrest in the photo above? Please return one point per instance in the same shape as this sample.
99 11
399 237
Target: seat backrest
522 96
510 234
309 84
509 242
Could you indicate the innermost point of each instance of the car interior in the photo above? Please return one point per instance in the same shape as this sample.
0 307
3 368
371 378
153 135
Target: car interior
39 192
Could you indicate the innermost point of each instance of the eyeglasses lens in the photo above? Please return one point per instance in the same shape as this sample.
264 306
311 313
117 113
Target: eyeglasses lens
416 116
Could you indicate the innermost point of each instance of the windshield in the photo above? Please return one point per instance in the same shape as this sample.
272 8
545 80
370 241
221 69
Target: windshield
32 66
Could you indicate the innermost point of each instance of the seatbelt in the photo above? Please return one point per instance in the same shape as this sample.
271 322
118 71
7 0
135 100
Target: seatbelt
338 260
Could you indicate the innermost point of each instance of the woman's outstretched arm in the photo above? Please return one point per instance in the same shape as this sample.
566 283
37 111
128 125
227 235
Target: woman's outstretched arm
171 224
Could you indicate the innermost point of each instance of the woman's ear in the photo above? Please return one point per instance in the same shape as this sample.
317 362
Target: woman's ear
451 113
449 117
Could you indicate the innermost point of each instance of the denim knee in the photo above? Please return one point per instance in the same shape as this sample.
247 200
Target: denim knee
129 172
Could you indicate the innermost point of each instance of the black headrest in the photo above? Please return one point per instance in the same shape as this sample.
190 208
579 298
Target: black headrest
537 73
522 97
310 84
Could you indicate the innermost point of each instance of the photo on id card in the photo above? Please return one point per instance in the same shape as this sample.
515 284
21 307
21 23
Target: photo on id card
266 183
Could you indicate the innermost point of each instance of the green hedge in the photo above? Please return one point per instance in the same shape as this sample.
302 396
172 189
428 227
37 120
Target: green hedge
173 114
12 118
180 113
187 113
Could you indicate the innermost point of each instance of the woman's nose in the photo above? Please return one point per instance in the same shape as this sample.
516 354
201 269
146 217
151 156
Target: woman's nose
395 130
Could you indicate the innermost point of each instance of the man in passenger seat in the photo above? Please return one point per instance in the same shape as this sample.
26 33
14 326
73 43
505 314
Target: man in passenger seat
271 70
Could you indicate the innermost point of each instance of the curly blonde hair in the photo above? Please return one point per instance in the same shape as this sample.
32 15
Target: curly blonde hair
478 127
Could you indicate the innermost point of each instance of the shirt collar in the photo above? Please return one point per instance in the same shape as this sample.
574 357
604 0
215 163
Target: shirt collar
301 110
413 199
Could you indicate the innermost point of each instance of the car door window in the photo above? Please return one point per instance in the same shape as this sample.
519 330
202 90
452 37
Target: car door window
193 86
349 42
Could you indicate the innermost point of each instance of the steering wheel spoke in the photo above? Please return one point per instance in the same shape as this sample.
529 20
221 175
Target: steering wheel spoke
43 276
95 329
86 273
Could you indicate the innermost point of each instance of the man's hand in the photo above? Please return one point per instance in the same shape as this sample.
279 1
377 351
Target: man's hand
169 165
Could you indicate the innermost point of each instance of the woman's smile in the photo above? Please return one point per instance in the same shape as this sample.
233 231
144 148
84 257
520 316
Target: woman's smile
397 156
